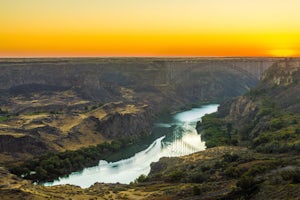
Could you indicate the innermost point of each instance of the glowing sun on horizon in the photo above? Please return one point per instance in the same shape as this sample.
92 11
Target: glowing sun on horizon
283 52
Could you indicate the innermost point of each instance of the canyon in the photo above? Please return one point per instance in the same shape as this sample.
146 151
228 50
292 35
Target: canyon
67 104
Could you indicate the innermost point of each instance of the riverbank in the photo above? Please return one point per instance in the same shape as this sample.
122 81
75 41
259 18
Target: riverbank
177 137
215 173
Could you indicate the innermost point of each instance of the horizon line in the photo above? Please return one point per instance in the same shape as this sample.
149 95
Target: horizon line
44 57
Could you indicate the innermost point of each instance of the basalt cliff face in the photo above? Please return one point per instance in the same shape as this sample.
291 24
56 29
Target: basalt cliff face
108 80
66 104
260 110
266 122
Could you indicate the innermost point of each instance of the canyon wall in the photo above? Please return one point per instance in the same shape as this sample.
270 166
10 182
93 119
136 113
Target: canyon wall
140 79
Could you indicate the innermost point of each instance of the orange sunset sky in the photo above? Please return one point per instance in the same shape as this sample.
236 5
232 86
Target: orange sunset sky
47 28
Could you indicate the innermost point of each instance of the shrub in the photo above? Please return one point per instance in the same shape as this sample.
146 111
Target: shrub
246 186
230 157
232 172
257 169
293 175
198 177
196 190
296 146
276 123
273 147
205 168
142 178
175 176
262 139
246 182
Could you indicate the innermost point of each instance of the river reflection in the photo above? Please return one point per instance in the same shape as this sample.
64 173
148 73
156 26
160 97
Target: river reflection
173 135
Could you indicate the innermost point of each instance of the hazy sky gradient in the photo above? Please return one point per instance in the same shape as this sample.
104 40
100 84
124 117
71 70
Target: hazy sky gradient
149 28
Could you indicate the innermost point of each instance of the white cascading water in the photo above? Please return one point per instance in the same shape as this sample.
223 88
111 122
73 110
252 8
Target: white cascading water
184 140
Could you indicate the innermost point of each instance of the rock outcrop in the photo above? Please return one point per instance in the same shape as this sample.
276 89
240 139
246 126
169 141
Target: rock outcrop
118 125
22 144
280 85
267 117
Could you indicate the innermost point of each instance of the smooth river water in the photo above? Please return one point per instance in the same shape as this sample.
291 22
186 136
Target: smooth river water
172 136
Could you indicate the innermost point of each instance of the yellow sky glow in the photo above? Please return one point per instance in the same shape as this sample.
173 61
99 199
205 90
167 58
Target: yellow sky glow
149 28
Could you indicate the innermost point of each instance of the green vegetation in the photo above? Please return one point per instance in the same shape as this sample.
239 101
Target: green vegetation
93 107
242 172
281 135
277 131
246 187
176 176
292 175
267 121
56 112
4 115
4 118
216 132
51 112
52 165
141 179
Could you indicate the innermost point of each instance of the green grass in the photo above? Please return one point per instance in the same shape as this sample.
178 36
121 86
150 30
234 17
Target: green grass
4 118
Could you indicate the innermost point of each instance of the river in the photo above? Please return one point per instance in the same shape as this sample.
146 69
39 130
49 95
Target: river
173 135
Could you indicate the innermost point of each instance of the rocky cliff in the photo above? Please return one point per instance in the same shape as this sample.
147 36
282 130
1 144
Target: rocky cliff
279 86
264 127
267 117
189 80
